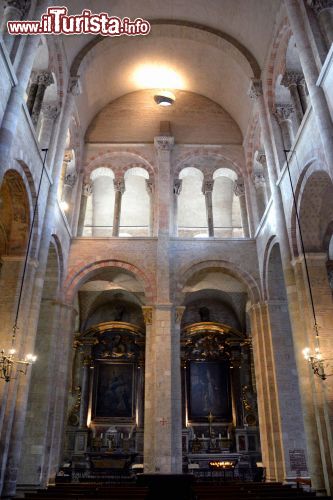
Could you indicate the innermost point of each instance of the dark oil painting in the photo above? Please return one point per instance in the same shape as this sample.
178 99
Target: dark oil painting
114 390
209 390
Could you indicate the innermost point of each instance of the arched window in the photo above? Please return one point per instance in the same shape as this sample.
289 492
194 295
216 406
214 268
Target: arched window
135 205
101 207
192 219
226 207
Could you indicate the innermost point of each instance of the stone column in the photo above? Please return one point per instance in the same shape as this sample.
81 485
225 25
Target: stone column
49 114
86 192
261 158
259 182
32 91
119 189
266 390
283 113
290 283
59 417
14 105
14 10
239 190
150 191
164 362
15 427
69 183
84 391
207 189
310 71
291 80
44 80
177 189
149 413
324 12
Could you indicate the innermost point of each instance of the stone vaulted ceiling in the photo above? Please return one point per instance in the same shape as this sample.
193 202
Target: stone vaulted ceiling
214 47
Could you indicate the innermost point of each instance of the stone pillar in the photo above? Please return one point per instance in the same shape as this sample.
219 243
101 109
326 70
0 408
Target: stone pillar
290 283
119 189
320 454
14 10
239 190
150 191
59 416
32 91
149 413
69 183
84 392
291 80
266 390
49 114
259 182
162 404
261 158
14 105
310 71
324 12
177 189
283 113
44 79
207 189
86 192
15 428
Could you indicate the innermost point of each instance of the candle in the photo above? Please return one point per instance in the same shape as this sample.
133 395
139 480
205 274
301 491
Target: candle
219 435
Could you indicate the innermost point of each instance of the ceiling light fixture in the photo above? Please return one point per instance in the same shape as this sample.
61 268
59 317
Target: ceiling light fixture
164 98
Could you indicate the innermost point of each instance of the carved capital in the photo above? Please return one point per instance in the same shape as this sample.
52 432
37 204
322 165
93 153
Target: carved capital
164 143
50 111
45 78
283 111
33 77
119 185
147 314
292 78
87 189
86 359
255 89
22 6
149 186
261 158
74 86
319 5
259 180
70 179
207 187
177 186
179 313
239 187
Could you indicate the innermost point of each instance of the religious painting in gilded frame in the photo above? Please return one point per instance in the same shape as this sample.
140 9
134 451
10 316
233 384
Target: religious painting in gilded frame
114 389
208 389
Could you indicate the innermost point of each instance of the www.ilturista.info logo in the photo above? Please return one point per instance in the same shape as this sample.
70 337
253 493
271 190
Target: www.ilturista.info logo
56 21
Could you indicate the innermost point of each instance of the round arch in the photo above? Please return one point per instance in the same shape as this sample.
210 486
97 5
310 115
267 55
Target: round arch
225 266
109 159
82 272
313 187
212 36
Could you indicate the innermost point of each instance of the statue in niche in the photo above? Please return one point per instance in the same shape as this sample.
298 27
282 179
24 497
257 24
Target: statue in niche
204 314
